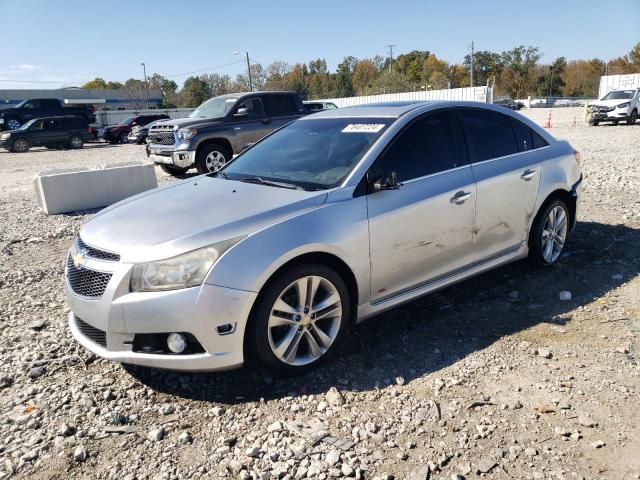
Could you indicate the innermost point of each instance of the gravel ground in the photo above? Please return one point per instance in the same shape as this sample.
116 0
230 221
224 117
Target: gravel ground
494 377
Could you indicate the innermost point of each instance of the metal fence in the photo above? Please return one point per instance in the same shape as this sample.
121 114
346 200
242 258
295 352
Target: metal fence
111 117
472 94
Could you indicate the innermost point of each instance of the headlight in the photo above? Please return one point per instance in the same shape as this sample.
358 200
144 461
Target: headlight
183 271
4 136
592 108
623 105
186 134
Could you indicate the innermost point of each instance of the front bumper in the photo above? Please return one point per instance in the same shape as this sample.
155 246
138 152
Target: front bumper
181 158
613 115
118 315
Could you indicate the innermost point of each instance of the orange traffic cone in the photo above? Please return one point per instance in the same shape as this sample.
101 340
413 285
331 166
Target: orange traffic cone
547 124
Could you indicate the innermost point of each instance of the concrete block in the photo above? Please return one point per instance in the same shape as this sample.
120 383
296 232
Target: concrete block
69 190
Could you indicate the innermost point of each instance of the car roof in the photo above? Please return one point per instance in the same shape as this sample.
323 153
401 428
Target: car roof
386 109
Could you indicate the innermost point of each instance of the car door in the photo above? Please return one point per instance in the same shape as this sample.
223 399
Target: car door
250 123
507 178
31 110
423 229
281 109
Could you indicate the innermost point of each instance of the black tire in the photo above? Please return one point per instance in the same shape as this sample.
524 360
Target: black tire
12 123
257 346
173 170
76 141
595 123
204 152
632 118
123 138
536 257
22 145
615 123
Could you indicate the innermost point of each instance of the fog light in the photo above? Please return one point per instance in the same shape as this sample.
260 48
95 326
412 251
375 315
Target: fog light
176 342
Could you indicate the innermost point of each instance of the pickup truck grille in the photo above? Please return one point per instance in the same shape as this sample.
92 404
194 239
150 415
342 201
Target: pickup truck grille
162 135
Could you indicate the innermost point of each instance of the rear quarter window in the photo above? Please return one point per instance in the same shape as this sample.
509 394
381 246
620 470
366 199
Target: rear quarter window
279 105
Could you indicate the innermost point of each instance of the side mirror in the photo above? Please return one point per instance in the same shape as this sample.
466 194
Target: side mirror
241 113
389 183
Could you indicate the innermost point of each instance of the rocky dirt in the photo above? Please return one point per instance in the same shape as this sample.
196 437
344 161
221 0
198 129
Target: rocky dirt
496 377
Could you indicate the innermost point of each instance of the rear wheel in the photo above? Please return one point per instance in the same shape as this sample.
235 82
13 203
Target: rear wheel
173 170
21 145
632 118
76 142
299 320
212 158
549 233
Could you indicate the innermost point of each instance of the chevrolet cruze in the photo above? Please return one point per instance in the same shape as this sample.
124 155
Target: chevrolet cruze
332 219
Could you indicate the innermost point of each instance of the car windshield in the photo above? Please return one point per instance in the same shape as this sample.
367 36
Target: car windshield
127 121
25 126
313 154
216 107
618 95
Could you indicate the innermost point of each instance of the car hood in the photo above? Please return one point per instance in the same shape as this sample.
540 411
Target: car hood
609 103
187 215
191 122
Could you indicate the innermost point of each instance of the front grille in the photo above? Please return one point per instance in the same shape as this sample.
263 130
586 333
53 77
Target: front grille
85 282
97 253
162 135
94 334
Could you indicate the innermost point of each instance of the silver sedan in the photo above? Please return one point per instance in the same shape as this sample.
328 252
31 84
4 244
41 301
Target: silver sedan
330 220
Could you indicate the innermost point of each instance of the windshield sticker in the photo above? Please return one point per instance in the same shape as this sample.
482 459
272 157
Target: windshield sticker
363 128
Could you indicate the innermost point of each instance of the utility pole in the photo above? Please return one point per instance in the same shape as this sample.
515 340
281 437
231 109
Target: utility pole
248 69
472 55
390 47
550 79
146 85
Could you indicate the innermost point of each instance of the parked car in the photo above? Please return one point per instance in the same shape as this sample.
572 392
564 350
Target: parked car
51 132
220 128
119 133
139 133
318 106
332 219
616 106
507 102
13 117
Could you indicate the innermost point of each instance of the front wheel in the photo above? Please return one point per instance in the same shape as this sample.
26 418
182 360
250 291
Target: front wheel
212 158
299 320
549 233
173 170
21 145
632 118
76 142
124 138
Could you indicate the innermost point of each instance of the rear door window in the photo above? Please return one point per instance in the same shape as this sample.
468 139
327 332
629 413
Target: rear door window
280 105
489 134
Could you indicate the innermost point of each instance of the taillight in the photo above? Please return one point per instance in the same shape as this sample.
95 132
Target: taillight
89 130
576 155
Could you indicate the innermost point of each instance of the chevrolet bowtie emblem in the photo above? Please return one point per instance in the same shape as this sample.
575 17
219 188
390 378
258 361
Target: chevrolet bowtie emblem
80 259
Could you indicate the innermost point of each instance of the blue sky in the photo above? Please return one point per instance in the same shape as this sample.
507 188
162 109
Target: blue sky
73 41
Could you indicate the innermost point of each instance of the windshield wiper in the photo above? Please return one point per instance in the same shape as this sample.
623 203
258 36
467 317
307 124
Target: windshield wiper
220 173
271 183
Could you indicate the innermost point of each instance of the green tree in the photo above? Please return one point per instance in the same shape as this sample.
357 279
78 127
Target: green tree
391 82
295 80
486 66
167 87
550 78
217 84
95 84
194 92
363 76
411 65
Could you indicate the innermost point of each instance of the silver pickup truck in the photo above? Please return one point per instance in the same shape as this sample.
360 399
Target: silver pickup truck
220 128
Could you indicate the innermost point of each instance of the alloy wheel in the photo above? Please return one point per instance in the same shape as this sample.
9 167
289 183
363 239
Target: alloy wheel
215 161
21 145
305 320
13 124
554 234
76 142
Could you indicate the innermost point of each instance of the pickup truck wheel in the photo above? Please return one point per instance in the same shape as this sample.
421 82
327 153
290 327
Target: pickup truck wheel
21 145
173 170
212 158
76 142
632 118
13 124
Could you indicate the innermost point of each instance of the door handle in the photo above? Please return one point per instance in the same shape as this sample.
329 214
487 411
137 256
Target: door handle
528 175
460 197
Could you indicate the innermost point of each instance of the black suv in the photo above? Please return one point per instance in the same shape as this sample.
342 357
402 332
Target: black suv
119 133
220 128
68 132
